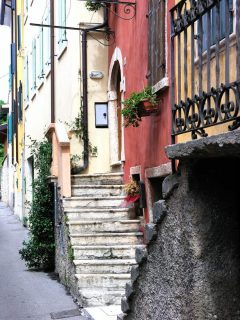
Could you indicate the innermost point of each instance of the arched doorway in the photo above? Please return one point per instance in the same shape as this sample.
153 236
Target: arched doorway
115 97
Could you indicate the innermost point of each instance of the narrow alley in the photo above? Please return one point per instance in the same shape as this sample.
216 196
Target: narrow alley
27 294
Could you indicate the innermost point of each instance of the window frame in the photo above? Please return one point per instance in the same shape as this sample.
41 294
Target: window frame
163 82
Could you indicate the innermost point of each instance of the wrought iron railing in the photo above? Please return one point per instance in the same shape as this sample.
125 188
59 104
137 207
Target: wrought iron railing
205 65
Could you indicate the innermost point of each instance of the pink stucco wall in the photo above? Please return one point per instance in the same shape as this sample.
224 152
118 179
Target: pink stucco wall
144 146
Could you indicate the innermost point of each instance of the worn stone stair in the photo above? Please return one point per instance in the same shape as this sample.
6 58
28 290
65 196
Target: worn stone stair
103 237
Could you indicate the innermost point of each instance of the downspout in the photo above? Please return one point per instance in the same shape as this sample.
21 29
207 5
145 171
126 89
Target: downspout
16 80
52 64
12 93
2 12
85 93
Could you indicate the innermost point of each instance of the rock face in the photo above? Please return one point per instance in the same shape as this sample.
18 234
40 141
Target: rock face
192 271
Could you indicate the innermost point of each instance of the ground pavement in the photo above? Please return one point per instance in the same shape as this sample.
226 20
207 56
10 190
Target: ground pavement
28 295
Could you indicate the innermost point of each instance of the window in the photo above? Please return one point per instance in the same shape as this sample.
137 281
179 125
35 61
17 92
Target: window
222 19
62 35
26 79
156 42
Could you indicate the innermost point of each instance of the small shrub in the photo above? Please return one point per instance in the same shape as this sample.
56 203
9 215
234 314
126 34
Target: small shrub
38 251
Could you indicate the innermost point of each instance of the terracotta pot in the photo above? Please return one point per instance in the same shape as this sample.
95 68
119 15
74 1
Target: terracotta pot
146 108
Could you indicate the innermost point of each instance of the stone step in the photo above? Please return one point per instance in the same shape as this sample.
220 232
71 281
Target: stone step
101 297
105 252
97 213
106 238
81 226
97 190
92 280
99 179
93 202
104 266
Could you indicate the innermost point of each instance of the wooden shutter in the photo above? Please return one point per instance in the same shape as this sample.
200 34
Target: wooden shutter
156 41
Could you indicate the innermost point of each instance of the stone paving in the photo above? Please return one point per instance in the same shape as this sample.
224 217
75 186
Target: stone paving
24 294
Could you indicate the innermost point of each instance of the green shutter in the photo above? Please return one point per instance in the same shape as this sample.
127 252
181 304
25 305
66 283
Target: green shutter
10 128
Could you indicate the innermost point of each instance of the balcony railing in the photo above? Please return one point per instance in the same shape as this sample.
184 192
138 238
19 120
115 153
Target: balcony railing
205 65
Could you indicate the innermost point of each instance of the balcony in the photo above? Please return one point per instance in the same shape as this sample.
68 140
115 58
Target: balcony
205 67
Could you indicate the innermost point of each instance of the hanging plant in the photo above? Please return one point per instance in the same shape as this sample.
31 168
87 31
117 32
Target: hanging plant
132 191
138 105
93 5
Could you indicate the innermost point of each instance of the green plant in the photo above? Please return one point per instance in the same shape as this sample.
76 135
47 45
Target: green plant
70 253
25 221
38 251
131 188
131 110
93 5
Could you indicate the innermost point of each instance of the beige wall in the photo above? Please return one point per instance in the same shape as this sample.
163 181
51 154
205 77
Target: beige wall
68 83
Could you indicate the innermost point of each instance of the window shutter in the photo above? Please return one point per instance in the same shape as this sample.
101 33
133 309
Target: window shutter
26 80
20 102
156 42
46 41
13 58
19 31
10 128
33 84
25 7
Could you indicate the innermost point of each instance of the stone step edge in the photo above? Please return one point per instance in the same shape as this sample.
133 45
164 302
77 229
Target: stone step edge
107 234
102 291
84 222
103 275
97 186
99 262
98 209
124 246
111 174
93 198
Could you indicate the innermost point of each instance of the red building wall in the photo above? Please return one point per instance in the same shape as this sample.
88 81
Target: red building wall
144 145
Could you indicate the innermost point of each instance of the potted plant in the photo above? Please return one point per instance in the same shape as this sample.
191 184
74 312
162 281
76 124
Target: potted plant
93 5
131 201
138 105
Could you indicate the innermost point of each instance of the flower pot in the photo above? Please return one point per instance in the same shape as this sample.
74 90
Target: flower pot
146 108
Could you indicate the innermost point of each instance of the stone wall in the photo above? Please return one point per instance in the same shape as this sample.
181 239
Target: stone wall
192 270
64 266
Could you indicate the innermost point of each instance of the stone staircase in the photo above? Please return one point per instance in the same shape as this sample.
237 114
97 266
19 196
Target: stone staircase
103 237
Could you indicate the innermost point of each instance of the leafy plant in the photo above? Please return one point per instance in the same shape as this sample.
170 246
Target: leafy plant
131 111
93 5
38 250
131 188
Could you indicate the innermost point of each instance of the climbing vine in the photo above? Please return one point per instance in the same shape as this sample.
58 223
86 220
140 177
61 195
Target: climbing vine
38 250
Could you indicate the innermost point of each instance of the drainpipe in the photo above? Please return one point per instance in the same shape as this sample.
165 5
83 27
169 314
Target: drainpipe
85 93
52 64
16 80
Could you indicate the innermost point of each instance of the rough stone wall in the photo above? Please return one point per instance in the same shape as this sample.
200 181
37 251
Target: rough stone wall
64 256
193 267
